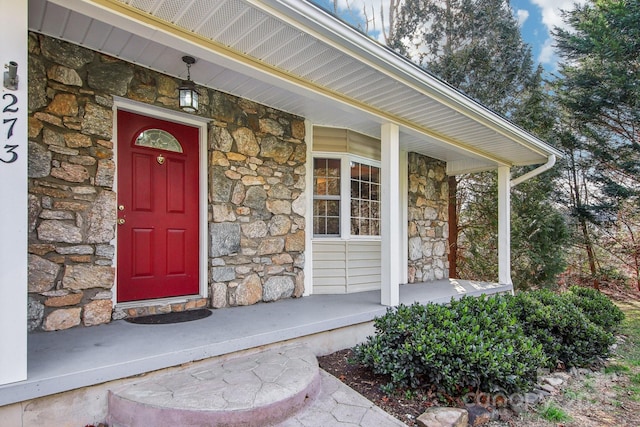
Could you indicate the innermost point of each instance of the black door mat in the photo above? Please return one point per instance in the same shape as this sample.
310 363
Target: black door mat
173 317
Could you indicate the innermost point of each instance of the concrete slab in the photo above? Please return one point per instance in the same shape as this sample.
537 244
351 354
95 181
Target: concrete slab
80 357
253 390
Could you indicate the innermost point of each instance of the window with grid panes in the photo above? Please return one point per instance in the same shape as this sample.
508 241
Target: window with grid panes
365 200
326 197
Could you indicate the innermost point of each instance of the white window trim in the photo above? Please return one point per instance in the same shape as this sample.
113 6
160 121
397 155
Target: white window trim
345 193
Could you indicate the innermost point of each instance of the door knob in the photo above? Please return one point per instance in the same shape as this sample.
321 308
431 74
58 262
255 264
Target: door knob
121 221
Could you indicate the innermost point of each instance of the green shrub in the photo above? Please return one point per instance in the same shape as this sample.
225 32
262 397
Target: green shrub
597 307
552 412
566 334
475 343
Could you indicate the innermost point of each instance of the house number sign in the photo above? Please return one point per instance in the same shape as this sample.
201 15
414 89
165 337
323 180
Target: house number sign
10 110
14 212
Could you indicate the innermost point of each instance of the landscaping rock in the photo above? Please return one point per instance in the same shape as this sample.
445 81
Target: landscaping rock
443 417
553 381
478 415
548 388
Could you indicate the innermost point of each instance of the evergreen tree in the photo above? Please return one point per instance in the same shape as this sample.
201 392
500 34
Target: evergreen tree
599 86
474 45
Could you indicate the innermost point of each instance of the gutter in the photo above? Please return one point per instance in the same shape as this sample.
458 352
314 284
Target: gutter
551 160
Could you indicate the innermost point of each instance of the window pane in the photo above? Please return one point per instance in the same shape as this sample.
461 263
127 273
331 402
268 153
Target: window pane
355 226
364 227
375 210
158 138
375 174
333 226
319 226
333 186
375 192
364 173
364 191
333 208
365 210
374 229
320 185
355 189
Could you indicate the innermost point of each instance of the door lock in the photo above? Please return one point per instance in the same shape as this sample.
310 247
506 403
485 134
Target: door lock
121 207
121 221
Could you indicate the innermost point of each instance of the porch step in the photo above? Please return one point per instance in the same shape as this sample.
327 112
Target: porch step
255 390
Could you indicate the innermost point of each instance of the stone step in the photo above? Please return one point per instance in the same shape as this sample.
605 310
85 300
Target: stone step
253 390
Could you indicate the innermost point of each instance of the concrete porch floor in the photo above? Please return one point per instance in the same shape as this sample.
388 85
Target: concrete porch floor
79 357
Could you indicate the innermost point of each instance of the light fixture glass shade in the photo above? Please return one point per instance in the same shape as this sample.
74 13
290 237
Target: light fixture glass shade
188 96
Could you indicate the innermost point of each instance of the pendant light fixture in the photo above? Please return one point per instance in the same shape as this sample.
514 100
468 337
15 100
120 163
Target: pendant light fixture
188 93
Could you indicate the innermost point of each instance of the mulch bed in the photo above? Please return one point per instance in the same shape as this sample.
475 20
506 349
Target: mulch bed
368 385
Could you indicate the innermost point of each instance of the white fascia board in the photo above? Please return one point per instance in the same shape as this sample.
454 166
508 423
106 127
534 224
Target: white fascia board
340 35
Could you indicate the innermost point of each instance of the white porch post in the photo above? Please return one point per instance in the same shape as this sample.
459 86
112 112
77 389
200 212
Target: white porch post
390 215
308 235
403 227
504 225
13 194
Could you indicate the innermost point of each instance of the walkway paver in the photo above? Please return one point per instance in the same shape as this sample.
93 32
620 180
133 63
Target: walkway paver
282 386
339 406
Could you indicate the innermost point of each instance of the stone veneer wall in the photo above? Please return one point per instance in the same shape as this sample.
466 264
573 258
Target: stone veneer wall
428 219
256 181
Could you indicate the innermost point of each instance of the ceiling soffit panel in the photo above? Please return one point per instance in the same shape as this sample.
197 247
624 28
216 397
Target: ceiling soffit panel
378 94
302 51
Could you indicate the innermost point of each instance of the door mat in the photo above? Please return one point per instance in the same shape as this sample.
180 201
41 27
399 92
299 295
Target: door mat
173 317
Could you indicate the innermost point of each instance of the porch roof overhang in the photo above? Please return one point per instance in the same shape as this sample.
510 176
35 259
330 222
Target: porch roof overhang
293 56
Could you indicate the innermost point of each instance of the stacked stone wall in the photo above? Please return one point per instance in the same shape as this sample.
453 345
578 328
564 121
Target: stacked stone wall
428 219
257 182
256 185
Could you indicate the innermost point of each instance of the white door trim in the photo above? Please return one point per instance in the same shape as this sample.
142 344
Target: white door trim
182 118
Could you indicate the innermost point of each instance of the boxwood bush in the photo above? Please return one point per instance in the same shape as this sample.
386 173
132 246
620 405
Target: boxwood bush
597 307
474 343
565 332
489 343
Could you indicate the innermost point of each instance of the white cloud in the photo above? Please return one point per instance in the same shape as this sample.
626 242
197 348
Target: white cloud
548 53
522 15
551 11
372 10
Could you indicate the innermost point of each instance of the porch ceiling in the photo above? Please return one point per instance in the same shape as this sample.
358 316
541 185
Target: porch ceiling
291 55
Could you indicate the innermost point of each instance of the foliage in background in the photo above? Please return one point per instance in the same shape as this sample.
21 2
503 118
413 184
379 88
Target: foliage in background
598 88
489 343
476 46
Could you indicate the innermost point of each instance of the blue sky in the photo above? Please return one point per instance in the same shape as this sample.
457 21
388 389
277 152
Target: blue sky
537 19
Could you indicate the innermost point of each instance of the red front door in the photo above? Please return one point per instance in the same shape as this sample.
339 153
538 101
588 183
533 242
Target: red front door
158 216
